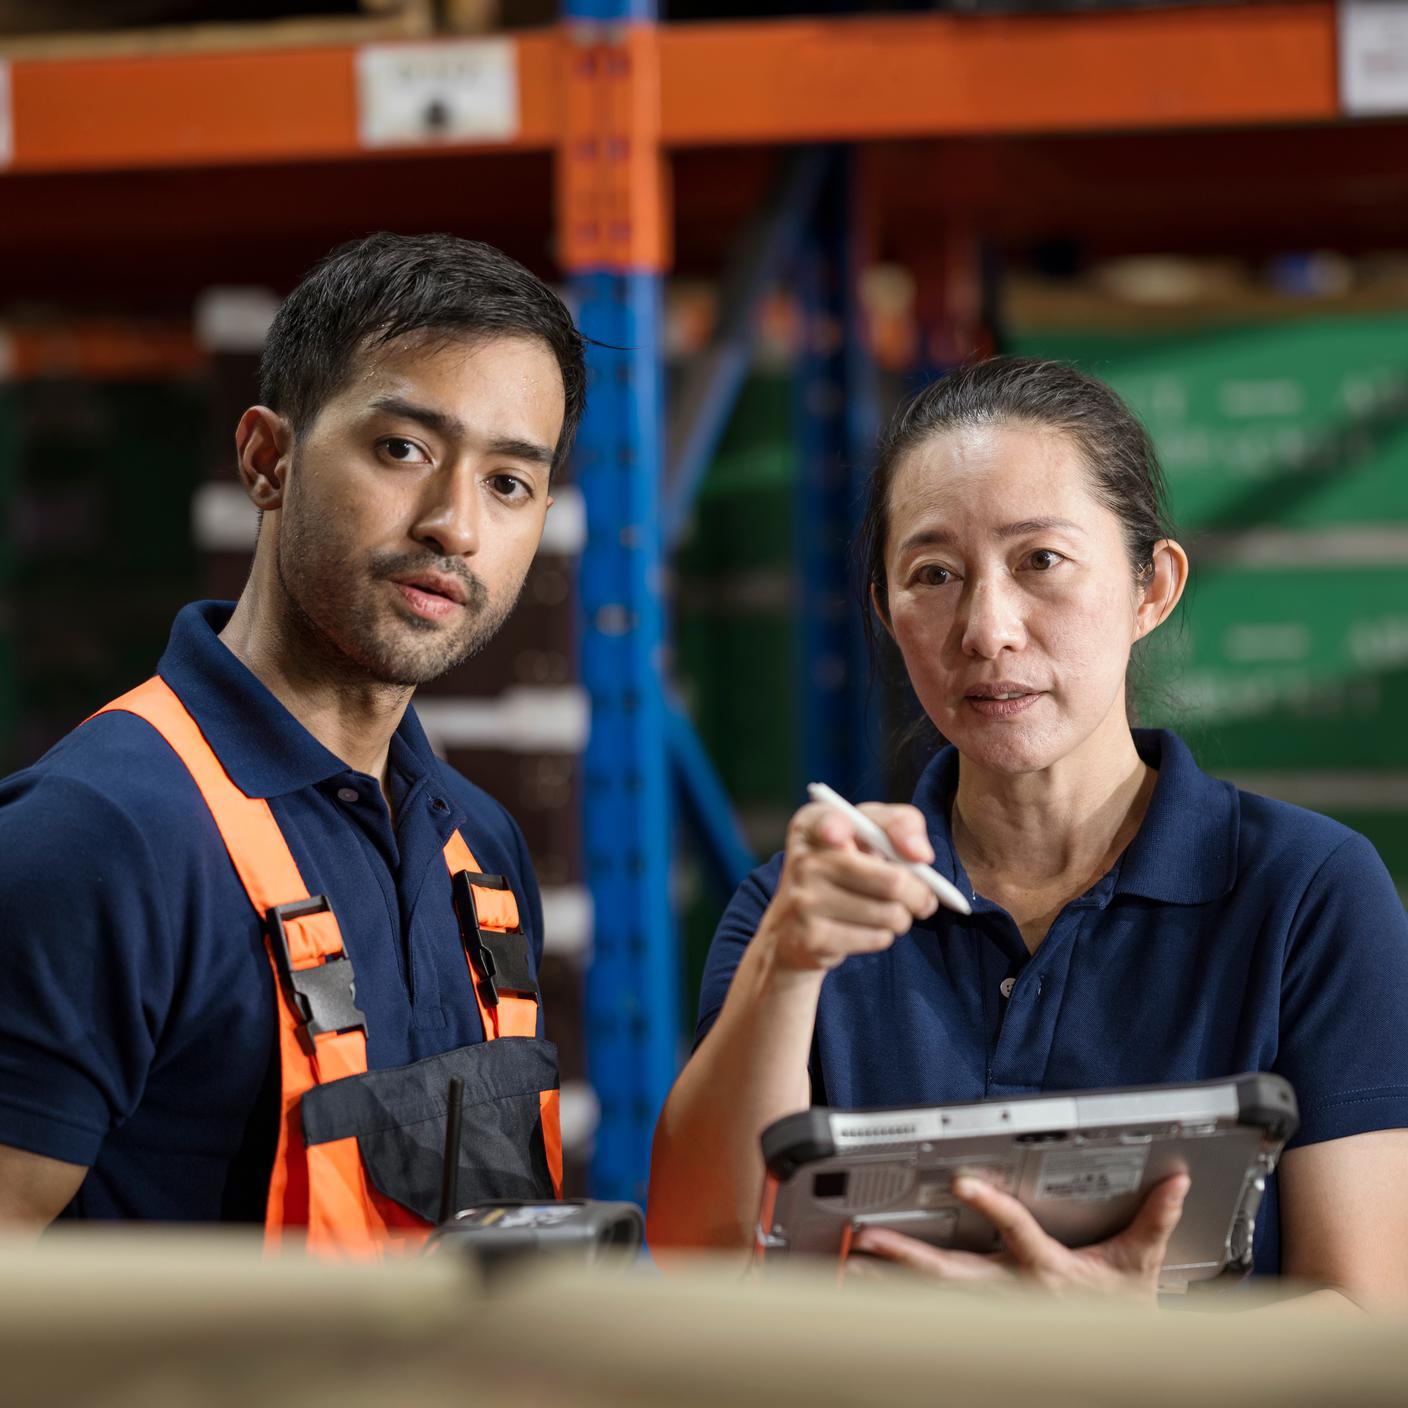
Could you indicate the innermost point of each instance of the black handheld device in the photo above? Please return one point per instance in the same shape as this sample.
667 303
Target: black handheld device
506 1232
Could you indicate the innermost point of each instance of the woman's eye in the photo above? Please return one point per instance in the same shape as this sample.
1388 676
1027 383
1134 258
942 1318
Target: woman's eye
1043 559
932 575
404 451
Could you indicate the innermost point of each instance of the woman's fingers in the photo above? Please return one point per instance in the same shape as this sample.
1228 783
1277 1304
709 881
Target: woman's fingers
844 906
919 1256
820 825
1022 1234
836 899
864 875
1141 1246
905 826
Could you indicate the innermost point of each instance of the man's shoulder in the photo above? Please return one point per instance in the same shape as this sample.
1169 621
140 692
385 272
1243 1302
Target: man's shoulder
115 765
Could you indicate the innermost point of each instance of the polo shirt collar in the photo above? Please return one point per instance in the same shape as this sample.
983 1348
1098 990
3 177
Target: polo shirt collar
264 749
1185 852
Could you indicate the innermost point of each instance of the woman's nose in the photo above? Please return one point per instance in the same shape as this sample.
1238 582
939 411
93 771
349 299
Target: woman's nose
993 621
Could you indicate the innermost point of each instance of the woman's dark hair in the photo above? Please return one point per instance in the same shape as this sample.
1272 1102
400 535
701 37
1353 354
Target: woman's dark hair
1123 464
369 291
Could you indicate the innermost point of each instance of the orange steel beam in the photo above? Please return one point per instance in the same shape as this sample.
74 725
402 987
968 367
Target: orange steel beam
722 83
939 75
224 108
613 180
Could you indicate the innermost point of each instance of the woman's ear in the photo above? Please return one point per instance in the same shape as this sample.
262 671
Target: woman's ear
264 446
1167 577
880 607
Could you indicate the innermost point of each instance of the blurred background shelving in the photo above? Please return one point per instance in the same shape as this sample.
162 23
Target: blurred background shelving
1179 198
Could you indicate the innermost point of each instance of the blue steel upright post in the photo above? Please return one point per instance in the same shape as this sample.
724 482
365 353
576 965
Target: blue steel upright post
613 232
841 709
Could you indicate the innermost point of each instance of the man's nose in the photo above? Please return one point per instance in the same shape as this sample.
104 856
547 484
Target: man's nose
993 620
449 516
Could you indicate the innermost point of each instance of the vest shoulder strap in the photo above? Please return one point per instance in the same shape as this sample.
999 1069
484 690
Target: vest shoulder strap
504 987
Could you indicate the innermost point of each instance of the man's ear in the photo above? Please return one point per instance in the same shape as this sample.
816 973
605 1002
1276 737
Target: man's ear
264 450
1168 577
878 606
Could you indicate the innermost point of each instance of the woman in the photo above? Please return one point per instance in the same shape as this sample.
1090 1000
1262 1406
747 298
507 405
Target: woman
1134 921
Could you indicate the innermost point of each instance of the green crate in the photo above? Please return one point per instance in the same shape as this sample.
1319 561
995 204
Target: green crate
1302 423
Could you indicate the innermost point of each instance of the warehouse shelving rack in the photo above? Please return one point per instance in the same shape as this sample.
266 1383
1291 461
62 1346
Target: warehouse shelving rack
612 96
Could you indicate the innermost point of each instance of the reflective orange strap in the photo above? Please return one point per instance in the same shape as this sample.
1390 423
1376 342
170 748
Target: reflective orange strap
514 1014
270 876
256 847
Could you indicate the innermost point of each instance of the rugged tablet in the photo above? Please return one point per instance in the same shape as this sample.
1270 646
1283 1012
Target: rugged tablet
1082 1161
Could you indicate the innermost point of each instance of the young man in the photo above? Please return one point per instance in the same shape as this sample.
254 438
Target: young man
250 926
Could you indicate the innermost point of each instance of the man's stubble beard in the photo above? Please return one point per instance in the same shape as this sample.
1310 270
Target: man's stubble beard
335 613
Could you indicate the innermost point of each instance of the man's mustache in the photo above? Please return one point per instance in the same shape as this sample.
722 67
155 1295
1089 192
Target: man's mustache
476 594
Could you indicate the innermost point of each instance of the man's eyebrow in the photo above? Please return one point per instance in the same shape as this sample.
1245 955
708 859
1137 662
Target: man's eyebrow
452 428
941 537
529 451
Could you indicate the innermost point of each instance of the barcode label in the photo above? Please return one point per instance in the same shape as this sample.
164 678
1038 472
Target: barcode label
1090 1175
1373 52
412 95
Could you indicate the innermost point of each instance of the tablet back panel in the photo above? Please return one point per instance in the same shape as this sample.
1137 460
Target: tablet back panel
1082 1162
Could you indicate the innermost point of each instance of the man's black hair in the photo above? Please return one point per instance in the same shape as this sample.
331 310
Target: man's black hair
370 291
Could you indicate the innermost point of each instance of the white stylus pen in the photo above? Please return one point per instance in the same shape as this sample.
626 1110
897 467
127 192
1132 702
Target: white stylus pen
882 845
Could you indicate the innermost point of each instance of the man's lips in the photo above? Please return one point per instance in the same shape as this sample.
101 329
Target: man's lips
429 602
435 584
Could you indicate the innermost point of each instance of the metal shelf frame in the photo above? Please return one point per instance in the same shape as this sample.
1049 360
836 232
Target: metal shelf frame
832 79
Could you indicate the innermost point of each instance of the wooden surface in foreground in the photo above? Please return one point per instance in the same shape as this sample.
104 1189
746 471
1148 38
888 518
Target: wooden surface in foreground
162 1319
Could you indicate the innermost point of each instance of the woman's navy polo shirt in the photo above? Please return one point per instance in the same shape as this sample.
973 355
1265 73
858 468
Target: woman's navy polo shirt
137 1005
1235 933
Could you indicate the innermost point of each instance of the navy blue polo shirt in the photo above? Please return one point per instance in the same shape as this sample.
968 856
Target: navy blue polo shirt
1235 933
137 1003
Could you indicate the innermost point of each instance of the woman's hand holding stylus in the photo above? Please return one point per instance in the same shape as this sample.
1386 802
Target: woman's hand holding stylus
835 899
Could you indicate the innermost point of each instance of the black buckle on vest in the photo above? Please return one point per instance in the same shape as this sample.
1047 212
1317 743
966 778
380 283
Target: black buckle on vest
324 996
500 959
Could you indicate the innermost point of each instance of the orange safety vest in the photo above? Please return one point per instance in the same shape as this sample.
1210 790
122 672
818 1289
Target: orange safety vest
320 1188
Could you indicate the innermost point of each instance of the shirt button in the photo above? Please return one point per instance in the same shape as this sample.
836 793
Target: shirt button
1006 985
439 804
348 794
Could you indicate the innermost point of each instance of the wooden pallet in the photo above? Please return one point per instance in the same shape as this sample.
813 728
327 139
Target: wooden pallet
377 20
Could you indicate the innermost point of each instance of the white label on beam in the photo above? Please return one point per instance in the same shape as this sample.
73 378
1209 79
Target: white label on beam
567 921
1373 57
234 319
524 720
223 519
565 527
7 121
579 1112
419 95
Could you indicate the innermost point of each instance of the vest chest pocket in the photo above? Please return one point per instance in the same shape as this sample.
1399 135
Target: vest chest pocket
398 1118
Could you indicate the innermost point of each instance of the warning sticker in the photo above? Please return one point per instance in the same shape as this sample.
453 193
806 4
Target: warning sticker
1090 1175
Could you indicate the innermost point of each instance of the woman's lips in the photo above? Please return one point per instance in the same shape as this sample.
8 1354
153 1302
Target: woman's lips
990 708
